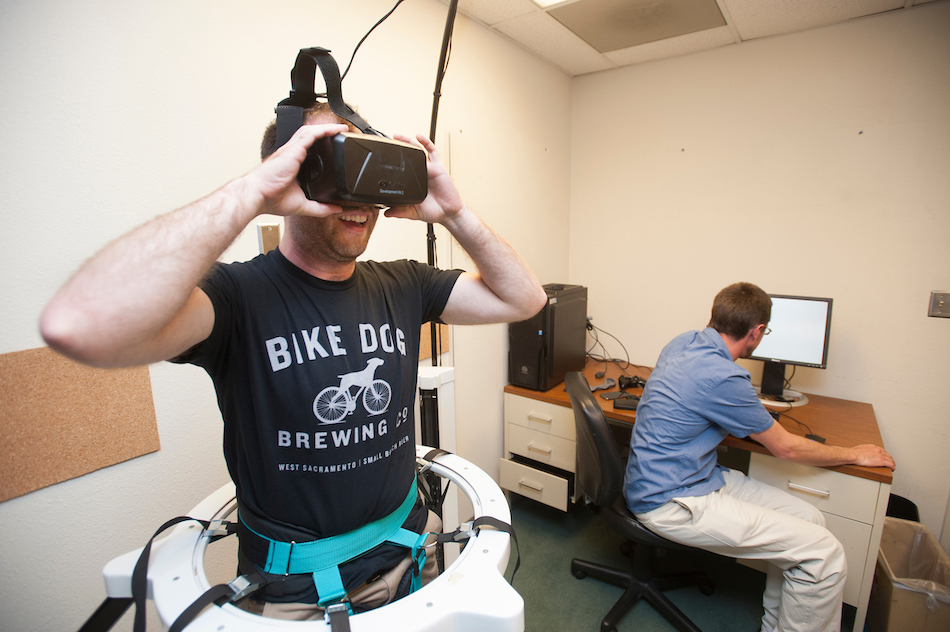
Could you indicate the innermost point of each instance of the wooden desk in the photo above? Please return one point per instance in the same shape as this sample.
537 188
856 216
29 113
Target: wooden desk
539 464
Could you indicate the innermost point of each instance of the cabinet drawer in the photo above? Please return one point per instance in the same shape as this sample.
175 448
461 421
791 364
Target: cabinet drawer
831 492
541 447
541 416
855 537
534 484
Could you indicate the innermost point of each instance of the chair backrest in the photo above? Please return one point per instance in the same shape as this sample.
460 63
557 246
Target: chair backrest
599 470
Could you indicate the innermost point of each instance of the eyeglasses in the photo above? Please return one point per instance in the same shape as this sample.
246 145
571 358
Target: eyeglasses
766 332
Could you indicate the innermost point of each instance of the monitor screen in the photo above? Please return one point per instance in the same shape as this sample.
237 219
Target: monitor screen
800 327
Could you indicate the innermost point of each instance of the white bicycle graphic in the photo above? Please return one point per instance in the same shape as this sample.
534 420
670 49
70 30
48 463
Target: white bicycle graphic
334 403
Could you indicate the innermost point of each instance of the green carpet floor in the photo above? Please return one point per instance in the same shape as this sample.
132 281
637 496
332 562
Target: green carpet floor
555 601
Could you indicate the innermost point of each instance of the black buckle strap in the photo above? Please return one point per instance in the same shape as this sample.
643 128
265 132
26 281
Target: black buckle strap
219 595
140 573
339 616
467 530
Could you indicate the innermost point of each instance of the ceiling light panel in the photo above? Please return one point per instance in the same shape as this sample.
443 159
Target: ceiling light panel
610 25
544 4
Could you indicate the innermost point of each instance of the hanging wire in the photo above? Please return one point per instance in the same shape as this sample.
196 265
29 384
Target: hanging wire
381 20
622 363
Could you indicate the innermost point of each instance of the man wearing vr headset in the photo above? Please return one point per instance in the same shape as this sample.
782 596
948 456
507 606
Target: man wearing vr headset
313 355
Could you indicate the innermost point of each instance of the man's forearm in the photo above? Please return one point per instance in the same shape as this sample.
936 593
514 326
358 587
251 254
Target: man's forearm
131 289
808 452
790 447
500 268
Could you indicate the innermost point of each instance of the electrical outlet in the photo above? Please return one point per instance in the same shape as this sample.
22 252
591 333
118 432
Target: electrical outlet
940 304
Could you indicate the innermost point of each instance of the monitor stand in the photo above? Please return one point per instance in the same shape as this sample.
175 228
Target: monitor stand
773 393
789 398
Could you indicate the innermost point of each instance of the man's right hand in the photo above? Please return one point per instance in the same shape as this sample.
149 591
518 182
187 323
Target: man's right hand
272 186
137 300
869 455
791 447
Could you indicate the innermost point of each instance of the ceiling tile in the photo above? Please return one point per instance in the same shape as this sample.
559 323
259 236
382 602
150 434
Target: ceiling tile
549 39
673 47
615 24
597 22
493 11
761 18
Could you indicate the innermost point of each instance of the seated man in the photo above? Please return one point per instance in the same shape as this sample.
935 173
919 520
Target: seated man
696 395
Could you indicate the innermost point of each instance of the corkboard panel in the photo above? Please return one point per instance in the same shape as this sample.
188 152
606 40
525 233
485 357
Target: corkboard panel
60 419
425 342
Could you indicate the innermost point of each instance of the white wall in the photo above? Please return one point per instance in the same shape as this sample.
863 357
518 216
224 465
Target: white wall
115 112
814 163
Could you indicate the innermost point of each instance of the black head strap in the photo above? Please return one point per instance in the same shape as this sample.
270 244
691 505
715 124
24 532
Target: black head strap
290 111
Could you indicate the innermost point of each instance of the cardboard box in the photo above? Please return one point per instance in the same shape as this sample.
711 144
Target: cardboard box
911 588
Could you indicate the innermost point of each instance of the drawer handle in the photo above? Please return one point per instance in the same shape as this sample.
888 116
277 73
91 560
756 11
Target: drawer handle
533 488
543 419
546 451
809 490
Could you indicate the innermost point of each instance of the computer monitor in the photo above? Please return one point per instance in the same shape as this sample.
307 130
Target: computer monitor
800 328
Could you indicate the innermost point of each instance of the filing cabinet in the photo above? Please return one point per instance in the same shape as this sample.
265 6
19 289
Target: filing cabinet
851 507
539 451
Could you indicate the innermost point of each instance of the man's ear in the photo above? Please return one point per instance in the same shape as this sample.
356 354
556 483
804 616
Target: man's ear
754 332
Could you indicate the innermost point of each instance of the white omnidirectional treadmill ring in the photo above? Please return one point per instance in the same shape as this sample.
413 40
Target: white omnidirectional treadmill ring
471 595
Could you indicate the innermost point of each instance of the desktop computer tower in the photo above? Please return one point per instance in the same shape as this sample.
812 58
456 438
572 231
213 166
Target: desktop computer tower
542 349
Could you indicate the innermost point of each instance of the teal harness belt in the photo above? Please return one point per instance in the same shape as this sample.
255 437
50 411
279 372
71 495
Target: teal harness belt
322 558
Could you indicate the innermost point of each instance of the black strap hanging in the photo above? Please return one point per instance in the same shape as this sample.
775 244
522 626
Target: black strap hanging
107 614
140 572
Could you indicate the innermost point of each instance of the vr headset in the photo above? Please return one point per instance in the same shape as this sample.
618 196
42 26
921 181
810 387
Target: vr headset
347 169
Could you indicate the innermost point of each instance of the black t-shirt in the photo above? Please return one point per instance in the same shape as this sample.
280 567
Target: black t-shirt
316 384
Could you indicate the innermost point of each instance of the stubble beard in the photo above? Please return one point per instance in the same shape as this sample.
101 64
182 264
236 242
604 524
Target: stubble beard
317 242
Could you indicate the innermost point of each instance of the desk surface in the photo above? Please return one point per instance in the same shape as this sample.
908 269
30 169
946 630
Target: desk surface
840 421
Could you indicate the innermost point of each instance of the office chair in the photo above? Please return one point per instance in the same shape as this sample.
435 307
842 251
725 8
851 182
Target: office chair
599 479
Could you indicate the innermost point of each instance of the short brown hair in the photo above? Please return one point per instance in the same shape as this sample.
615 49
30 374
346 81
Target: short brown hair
739 308
320 108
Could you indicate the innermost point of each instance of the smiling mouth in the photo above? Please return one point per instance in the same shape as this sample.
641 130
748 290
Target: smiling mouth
359 218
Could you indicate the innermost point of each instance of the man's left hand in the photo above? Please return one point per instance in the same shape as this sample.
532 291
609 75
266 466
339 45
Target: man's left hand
443 201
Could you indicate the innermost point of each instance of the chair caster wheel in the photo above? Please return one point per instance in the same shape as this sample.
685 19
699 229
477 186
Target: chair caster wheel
580 574
707 588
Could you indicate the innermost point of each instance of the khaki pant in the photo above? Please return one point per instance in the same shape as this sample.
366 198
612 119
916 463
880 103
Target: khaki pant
747 519
374 594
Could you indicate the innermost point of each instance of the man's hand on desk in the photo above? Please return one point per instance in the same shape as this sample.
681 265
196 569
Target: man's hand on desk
791 447
869 455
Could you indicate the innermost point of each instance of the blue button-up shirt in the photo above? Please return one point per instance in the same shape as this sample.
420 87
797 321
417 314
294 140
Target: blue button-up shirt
695 396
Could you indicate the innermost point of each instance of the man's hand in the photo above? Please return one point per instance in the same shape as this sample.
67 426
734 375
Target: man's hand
791 447
136 301
869 455
272 186
443 201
